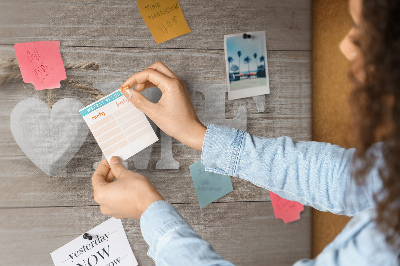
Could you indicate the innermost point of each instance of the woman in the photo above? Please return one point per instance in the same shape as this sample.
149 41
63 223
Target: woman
316 174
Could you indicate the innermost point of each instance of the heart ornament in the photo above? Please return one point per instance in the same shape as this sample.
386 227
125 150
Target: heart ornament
50 138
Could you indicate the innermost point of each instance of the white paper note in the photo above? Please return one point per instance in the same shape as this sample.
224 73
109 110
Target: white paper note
108 247
118 126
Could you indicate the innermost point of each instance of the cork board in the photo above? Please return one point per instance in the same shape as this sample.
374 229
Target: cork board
331 89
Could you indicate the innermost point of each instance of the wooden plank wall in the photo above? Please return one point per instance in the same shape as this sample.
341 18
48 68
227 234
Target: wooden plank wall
39 213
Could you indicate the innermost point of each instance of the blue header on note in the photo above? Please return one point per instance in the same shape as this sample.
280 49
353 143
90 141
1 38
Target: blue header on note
100 103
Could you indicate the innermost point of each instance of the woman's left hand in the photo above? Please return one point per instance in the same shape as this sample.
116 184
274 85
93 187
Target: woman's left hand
128 196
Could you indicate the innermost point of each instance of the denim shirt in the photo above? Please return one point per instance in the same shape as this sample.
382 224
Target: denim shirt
312 173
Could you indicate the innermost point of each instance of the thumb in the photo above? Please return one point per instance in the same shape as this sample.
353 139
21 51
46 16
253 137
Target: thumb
138 100
99 176
117 167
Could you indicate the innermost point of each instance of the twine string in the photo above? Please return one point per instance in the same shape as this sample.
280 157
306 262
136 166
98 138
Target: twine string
50 98
10 73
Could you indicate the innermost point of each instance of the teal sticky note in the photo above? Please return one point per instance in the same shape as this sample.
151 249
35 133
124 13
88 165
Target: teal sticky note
209 186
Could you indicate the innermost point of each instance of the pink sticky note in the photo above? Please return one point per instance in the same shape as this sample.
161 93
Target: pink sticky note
41 64
284 209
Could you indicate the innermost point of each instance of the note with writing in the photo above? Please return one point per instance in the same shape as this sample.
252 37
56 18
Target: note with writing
118 126
287 210
108 247
209 186
164 18
41 63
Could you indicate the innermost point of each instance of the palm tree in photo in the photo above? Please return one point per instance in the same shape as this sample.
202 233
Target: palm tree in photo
262 59
239 55
230 60
255 60
234 68
247 60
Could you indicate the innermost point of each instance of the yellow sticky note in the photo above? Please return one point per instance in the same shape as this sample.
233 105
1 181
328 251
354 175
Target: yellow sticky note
164 18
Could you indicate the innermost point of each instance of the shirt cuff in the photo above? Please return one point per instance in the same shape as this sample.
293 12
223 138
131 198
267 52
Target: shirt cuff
221 151
157 220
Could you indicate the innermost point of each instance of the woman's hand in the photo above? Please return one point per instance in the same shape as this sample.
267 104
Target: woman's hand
128 196
174 113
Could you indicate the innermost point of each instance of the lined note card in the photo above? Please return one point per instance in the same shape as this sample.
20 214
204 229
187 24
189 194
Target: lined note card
41 64
118 126
164 18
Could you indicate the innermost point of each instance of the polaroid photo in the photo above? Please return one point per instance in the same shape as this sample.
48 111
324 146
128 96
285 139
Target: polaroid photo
246 64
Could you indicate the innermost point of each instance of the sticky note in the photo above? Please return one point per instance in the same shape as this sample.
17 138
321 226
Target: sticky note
41 64
108 246
118 126
209 186
284 209
164 18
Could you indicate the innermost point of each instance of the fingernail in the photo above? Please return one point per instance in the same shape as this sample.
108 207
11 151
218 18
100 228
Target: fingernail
115 160
124 88
129 92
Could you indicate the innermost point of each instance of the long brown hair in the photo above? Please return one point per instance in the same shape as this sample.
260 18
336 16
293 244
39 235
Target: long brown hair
375 103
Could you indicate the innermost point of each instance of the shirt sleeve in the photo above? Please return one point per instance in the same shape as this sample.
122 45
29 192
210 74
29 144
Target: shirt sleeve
313 173
172 241
360 243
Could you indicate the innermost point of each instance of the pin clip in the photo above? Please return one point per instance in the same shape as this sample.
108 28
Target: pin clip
125 88
87 236
246 36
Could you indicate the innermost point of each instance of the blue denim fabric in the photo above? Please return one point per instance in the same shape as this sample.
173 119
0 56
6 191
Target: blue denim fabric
314 174
172 241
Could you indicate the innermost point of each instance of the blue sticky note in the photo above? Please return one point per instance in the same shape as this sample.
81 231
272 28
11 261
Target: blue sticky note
209 186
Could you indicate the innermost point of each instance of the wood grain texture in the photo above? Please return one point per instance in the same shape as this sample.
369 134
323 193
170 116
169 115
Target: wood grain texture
243 233
119 23
39 214
288 112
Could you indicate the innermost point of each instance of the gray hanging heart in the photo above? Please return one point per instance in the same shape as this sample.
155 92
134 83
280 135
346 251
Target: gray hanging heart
50 138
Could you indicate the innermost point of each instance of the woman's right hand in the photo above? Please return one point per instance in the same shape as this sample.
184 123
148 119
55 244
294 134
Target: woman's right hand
174 113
